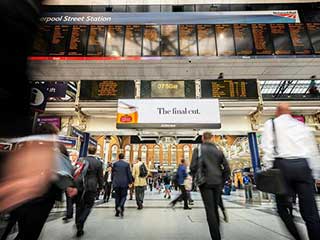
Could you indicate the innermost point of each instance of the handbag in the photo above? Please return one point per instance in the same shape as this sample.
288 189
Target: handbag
272 180
199 177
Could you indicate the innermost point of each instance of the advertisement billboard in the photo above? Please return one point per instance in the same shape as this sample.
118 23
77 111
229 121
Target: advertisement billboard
168 113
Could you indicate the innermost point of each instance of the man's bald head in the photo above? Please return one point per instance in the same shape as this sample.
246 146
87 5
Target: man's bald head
283 108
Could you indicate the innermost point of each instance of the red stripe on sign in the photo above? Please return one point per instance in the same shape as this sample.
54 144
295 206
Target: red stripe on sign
49 58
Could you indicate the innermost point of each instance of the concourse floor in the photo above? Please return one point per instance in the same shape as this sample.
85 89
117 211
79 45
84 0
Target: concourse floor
159 222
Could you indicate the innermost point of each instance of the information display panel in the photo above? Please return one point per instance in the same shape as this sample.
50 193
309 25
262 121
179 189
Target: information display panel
229 89
188 40
262 39
168 89
96 43
106 90
78 40
133 40
281 39
225 43
206 40
169 40
59 40
314 33
115 36
300 39
243 39
42 40
151 40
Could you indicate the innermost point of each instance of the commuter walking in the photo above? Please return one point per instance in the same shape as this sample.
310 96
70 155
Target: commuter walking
93 180
167 186
107 184
140 173
209 159
290 146
150 183
121 179
181 176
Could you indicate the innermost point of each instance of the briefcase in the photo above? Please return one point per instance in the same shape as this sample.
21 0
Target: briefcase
271 181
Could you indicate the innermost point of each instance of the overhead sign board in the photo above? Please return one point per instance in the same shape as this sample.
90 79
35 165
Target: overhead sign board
168 113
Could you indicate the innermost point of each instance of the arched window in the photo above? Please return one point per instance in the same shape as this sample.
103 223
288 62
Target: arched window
127 153
165 153
186 153
173 155
114 152
156 154
135 151
144 151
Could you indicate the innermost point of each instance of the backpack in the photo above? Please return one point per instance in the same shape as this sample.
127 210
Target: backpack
81 170
143 171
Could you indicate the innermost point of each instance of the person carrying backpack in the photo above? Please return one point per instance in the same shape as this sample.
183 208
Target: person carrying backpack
88 177
140 174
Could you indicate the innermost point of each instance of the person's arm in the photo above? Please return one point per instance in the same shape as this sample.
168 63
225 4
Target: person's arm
134 171
267 145
129 174
194 162
100 176
184 172
226 168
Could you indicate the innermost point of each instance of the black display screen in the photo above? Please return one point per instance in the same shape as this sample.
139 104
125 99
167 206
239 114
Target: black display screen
133 40
206 40
151 40
262 39
78 40
169 40
188 40
42 40
314 33
59 40
115 38
229 89
300 39
106 90
281 39
243 39
96 43
225 43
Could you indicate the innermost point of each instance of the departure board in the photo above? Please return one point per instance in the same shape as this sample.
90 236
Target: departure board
115 37
229 89
169 40
168 89
42 40
78 40
281 39
151 40
262 39
59 40
243 39
314 33
300 39
133 40
96 41
225 43
206 40
106 90
188 40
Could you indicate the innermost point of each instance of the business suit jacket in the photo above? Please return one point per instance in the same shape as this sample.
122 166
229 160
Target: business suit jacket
216 167
94 177
121 174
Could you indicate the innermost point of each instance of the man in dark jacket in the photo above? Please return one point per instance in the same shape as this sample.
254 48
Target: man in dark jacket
121 178
216 171
107 184
85 198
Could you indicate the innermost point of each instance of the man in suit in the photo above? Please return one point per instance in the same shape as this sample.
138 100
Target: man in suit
107 184
85 198
217 170
121 178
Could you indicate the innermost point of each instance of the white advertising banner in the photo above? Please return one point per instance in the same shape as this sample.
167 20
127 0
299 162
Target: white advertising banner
168 113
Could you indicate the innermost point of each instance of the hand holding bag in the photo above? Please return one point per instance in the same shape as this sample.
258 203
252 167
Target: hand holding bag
272 180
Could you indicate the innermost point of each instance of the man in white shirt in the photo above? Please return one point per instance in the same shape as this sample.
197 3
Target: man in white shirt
292 148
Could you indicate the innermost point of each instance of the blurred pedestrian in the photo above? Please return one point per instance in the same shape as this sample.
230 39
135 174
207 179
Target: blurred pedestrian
290 146
107 184
150 183
215 171
167 186
140 174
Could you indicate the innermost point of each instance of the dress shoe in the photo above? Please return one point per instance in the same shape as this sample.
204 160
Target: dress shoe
187 208
80 233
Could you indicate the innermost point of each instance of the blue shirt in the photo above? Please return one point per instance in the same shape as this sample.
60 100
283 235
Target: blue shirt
181 174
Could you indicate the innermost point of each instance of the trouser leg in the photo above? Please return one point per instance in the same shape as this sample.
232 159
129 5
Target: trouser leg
123 197
69 201
210 199
184 195
84 208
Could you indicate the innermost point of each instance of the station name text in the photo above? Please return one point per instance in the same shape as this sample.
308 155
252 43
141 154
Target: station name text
69 19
